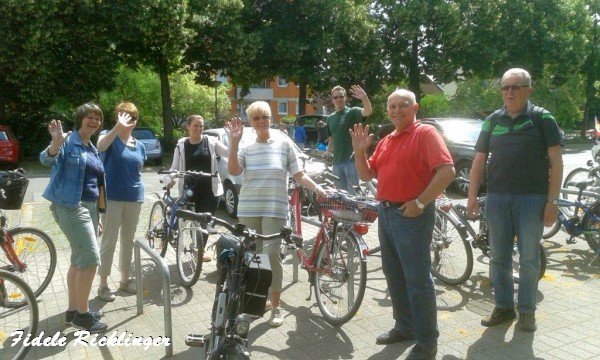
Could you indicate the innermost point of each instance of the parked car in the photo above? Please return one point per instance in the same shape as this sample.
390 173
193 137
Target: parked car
154 151
233 184
10 147
310 125
461 136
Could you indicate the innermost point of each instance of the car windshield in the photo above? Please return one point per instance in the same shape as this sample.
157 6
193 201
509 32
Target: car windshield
458 131
143 134
3 136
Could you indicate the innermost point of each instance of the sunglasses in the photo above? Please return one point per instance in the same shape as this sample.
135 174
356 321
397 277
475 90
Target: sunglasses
338 97
513 87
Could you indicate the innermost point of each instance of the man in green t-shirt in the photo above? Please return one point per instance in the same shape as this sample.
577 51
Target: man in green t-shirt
339 141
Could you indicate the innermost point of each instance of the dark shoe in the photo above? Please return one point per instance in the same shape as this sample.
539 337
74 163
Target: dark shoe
97 314
419 352
526 322
393 336
498 317
87 322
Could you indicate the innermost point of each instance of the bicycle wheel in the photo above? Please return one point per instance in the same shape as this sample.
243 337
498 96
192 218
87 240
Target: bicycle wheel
342 278
18 312
591 228
550 231
218 318
36 250
543 263
190 251
451 253
157 226
576 175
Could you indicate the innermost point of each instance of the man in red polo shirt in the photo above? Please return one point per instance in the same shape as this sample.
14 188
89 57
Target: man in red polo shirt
412 166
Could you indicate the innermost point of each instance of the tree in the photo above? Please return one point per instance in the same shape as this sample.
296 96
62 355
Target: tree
142 87
152 33
52 49
53 52
419 37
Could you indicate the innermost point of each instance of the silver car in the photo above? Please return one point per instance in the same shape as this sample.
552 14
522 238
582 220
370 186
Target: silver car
154 151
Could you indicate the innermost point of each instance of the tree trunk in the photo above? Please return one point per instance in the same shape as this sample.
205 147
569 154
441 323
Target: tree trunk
165 92
414 73
302 98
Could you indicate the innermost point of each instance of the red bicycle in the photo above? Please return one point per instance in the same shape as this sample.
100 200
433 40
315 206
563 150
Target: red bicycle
337 264
29 252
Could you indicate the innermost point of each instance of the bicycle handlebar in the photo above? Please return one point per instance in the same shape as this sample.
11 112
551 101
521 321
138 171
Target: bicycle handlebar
240 229
181 174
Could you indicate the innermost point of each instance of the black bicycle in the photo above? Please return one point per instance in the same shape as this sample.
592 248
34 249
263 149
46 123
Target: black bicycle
453 237
243 282
165 227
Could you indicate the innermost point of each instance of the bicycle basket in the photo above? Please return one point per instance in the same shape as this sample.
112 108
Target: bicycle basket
349 208
13 186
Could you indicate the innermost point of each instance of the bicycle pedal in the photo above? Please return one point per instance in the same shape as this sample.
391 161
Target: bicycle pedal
571 241
195 340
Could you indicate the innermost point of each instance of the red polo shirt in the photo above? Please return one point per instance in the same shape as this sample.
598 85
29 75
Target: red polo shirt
405 162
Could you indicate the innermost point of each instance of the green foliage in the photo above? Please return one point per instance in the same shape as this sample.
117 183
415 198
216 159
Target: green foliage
142 87
288 119
434 106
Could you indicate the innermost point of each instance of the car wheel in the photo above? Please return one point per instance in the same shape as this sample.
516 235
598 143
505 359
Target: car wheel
231 200
463 171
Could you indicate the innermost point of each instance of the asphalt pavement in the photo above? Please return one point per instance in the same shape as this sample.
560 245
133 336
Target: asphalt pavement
567 316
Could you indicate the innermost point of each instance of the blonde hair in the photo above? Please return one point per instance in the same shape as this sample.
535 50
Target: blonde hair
258 108
127 107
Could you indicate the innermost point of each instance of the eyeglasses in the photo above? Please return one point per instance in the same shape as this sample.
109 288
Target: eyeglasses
513 87
338 97
257 118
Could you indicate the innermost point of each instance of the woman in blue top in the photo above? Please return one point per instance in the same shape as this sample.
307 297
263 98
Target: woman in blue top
123 158
73 191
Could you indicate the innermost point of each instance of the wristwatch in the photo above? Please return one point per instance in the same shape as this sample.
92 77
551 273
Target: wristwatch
420 205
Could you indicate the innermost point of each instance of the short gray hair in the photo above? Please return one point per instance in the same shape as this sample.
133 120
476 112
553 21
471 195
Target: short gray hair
518 72
404 93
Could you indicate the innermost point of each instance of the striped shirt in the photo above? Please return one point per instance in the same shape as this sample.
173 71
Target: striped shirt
266 168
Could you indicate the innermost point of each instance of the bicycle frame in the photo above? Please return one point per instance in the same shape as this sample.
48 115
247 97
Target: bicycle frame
6 243
573 225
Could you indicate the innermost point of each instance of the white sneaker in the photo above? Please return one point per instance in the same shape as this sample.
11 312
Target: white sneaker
276 319
105 294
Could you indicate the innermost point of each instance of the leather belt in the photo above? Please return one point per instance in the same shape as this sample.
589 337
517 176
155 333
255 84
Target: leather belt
389 204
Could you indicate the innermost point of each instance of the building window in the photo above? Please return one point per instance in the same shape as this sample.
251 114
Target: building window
281 82
261 85
282 108
297 107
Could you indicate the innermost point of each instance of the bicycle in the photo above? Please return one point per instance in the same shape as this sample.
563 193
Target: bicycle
165 228
453 237
337 265
242 286
29 252
584 219
19 315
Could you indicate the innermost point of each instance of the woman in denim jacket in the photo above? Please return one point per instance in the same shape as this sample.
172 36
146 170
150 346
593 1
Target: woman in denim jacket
73 190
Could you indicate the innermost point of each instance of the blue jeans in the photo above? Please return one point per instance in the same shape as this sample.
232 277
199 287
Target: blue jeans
348 175
406 264
519 215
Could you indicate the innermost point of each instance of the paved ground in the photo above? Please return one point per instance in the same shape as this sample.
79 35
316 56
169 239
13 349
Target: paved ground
569 299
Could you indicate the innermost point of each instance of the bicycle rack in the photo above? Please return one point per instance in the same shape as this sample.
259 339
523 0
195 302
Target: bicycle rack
575 191
166 280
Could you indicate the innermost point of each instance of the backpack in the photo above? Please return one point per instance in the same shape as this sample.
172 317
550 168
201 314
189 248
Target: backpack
536 118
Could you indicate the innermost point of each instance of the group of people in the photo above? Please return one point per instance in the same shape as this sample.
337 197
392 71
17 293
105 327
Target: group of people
520 146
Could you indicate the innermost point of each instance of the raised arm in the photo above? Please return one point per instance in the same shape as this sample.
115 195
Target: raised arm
236 130
123 122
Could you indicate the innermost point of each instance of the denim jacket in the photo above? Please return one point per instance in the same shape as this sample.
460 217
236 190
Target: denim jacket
68 169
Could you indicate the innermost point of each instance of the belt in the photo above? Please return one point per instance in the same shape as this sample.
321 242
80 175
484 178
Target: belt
389 204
